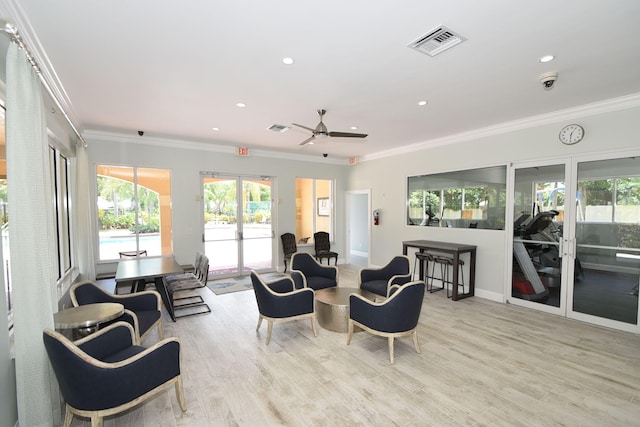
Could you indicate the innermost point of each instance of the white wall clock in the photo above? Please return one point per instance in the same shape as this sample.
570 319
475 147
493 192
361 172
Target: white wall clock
571 134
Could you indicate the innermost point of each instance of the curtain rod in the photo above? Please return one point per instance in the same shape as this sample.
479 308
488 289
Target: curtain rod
9 28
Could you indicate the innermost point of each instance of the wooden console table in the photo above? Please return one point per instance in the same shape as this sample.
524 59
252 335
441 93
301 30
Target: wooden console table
455 249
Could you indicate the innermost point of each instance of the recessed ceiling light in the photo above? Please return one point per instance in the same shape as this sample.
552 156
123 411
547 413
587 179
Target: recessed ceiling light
546 58
216 129
241 105
354 127
421 103
287 60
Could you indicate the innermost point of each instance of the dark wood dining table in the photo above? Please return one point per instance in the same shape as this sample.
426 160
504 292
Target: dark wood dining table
139 270
455 250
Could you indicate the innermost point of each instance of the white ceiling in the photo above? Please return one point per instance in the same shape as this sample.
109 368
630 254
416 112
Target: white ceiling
177 69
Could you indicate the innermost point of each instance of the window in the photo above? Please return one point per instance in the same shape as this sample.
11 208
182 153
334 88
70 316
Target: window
60 178
134 211
609 200
314 208
4 219
60 169
473 198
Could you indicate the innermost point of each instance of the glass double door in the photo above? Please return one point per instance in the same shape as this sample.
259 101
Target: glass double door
576 239
237 230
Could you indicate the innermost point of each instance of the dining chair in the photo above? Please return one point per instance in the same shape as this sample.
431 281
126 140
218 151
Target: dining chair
289 247
322 245
180 282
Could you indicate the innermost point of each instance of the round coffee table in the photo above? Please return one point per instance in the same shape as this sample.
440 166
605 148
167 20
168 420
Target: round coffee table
332 307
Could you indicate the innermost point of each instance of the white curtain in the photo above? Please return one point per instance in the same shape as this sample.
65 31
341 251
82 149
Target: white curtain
85 232
32 240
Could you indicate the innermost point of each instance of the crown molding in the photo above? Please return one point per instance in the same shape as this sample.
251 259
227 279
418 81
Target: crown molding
47 72
16 13
183 144
586 110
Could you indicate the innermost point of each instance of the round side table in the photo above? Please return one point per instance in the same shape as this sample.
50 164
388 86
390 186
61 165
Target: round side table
86 319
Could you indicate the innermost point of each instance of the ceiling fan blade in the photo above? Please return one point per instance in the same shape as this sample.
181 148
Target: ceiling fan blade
308 140
347 135
304 127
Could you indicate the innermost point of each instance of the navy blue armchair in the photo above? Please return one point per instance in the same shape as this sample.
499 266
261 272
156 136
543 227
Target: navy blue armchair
141 309
106 373
306 272
279 301
380 280
395 317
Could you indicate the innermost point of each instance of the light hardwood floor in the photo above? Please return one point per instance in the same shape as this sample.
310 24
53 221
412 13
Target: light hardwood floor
482 364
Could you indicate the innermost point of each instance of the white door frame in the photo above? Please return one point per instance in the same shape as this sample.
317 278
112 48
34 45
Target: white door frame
349 219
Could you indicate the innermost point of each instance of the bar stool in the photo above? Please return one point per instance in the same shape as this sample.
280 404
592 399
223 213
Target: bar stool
445 264
425 258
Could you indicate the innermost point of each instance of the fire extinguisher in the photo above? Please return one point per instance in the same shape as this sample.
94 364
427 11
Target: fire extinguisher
376 217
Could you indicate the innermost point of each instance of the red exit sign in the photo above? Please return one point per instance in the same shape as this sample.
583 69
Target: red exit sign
243 151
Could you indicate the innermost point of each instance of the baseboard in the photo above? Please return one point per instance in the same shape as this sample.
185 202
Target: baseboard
490 295
360 253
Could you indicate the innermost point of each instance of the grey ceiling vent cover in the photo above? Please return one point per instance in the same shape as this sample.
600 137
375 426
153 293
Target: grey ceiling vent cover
436 41
278 128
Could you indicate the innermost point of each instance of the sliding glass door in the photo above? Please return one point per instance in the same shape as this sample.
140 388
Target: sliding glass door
237 232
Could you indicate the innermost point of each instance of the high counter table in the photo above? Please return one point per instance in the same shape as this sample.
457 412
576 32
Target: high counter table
455 249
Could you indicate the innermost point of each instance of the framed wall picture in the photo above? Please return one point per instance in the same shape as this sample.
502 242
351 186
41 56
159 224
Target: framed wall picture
324 207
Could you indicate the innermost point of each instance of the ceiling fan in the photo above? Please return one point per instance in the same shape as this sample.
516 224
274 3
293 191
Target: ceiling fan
321 131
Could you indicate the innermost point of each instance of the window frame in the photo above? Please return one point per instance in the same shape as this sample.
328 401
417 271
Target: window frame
315 199
62 200
135 200
426 195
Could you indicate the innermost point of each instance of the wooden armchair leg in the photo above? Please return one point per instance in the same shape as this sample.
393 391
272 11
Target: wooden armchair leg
96 420
391 350
259 323
68 417
415 340
350 334
180 394
269 329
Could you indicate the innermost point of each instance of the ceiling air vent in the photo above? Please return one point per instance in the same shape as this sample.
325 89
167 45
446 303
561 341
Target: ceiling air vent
435 41
278 128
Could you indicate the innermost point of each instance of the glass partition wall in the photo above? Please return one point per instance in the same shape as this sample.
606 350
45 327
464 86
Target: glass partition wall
473 198
576 241
608 239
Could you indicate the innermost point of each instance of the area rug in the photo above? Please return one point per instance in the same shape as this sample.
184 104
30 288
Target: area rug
237 284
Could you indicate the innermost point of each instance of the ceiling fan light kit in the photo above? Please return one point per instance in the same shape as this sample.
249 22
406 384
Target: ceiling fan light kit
321 131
